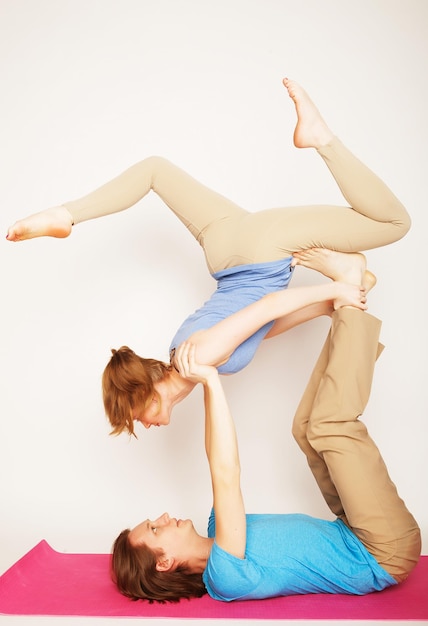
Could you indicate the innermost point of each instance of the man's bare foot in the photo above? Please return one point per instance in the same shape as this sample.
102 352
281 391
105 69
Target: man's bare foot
54 222
311 130
346 267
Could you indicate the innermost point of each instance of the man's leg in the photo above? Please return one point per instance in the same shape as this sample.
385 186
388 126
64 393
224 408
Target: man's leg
372 506
300 426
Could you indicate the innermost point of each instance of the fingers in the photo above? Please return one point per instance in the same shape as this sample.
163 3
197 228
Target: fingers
189 367
185 358
352 295
361 299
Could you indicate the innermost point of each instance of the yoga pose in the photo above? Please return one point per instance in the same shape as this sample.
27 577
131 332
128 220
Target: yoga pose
373 543
251 255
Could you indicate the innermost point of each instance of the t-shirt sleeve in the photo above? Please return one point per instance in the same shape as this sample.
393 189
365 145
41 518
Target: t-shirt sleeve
227 577
211 524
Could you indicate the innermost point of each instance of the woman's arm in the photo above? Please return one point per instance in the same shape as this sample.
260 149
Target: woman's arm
307 313
215 345
221 446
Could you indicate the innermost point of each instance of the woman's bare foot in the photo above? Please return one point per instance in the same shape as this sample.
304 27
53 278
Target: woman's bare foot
350 296
311 130
369 280
346 267
54 222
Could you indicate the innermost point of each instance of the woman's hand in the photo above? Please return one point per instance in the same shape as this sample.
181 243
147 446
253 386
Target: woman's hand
189 368
350 295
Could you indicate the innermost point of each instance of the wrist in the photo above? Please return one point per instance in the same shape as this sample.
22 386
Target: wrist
212 380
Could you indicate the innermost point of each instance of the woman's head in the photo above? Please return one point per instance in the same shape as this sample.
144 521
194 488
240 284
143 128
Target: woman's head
139 573
128 385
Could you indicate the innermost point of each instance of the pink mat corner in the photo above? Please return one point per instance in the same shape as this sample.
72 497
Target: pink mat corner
47 582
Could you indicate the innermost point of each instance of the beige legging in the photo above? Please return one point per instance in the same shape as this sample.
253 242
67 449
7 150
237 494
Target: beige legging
344 460
231 236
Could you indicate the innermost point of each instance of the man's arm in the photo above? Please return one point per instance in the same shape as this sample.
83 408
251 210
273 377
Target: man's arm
222 452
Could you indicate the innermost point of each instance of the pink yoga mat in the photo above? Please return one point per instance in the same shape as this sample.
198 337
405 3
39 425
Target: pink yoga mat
47 582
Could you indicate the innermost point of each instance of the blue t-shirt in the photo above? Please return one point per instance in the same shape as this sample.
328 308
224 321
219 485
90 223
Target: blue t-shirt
293 554
237 287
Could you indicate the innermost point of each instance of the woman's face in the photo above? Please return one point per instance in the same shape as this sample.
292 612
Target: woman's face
158 412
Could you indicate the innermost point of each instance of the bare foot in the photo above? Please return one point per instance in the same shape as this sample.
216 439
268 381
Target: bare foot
350 296
369 280
311 130
346 267
54 222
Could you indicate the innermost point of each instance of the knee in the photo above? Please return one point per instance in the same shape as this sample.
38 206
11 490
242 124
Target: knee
298 430
316 435
408 552
404 224
335 433
323 436
156 162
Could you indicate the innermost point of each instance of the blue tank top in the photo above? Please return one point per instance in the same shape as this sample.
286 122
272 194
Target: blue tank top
293 554
237 287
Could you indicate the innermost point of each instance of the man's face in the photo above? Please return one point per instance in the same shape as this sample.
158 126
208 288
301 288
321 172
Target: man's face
167 534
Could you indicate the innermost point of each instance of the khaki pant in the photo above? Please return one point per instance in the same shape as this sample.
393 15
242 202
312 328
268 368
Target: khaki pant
232 236
345 461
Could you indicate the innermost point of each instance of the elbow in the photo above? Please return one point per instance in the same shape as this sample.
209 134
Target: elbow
228 474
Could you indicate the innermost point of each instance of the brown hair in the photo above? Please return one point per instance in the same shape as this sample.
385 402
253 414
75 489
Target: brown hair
135 574
128 382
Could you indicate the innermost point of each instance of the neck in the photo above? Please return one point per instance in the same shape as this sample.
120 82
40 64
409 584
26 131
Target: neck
199 560
179 387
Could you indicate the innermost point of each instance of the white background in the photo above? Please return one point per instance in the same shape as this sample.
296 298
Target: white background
88 88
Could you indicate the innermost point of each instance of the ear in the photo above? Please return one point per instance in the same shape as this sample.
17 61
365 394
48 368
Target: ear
164 564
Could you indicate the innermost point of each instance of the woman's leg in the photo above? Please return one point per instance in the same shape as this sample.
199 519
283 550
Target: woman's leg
194 204
367 195
373 508
232 236
197 206
374 218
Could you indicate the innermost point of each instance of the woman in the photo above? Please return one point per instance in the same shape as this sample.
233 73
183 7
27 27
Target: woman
373 543
249 254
